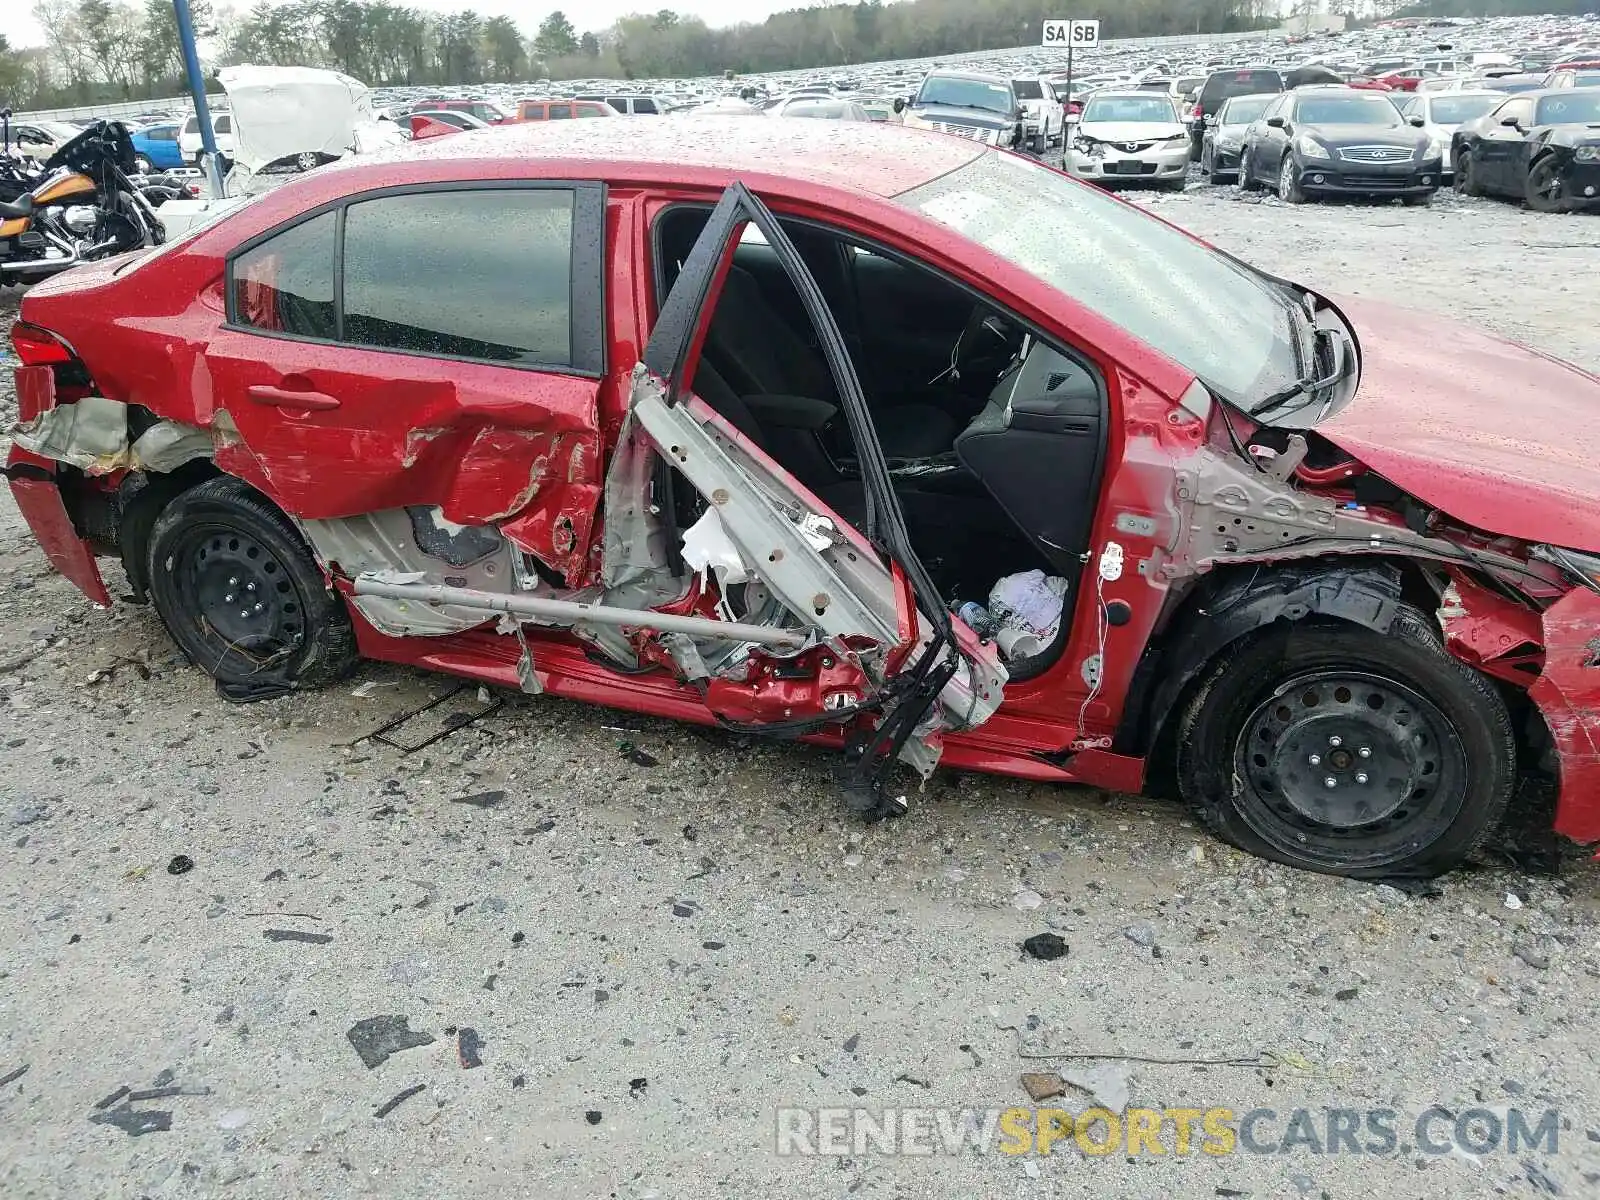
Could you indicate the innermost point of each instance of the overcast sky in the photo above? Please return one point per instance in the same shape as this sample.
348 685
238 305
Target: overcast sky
18 24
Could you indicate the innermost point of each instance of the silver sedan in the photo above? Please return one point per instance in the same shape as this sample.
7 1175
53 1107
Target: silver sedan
1130 137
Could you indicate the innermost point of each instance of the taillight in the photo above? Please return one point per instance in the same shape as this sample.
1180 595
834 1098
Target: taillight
38 347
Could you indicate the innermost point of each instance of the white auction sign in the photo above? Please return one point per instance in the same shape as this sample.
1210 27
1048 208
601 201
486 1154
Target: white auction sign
1071 35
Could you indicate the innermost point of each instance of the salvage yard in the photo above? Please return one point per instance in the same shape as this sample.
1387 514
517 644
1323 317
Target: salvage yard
622 945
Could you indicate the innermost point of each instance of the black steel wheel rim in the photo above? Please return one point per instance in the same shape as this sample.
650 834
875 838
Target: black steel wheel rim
1348 764
1546 183
240 591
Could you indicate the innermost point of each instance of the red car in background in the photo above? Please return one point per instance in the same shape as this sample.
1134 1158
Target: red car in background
486 111
725 423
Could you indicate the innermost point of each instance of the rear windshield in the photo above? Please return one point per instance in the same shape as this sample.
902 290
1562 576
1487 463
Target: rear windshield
1586 79
1241 110
1027 89
1224 84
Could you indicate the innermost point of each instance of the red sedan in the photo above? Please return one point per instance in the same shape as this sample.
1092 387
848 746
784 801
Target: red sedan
886 440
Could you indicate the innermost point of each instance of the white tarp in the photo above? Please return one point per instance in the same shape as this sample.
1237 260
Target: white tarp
279 112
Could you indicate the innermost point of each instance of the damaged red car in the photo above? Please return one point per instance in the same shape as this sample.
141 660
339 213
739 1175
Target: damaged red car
880 439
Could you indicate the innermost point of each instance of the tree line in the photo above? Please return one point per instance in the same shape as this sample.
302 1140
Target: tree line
103 50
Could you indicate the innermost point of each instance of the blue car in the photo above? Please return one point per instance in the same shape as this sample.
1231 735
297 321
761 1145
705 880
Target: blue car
155 147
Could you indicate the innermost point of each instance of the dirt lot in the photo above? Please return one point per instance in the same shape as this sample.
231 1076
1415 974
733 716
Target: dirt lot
661 935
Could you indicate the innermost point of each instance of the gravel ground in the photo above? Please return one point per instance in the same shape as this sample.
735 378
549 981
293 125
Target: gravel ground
661 935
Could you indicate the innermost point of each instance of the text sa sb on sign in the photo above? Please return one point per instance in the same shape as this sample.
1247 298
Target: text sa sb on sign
1074 35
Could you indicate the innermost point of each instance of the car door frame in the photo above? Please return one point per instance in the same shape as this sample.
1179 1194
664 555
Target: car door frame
469 451
1279 140
938 668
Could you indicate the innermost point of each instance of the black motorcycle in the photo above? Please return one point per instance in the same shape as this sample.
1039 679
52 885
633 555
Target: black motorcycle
79 206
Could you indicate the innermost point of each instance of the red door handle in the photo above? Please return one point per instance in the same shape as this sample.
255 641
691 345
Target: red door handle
284 398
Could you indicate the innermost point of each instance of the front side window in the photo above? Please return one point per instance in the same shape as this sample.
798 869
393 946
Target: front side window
285 284
224 124
464 274
646 106
1027 89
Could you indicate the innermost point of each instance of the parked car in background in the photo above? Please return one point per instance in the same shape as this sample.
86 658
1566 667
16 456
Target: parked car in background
1404 80
1219 86
827 108
190 145
38 140
1442 113
1574 77
486 111
1325 141
426 122
633 106
1510 84
1539 147
881 111
1125 393
1225 133
1130 137
979 107
562 110
1044 119
155 147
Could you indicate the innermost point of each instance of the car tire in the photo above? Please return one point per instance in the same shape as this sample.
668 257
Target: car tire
1466 181
1247 181
142 165
1542 189
220 545
1288 185
1421 201
1037 144
1419 745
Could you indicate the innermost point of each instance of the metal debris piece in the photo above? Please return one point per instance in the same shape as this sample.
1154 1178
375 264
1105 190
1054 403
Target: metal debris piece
638 757
1045 946
468 1045
181 864
1106 1083
1042 1085
637 1087
297 935
13 1076
480 799
134 1122
376 1038
399 1098
388 735
113 1098
154 1093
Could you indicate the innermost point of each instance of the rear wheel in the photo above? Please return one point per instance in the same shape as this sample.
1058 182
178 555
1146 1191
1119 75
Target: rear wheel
1332 748
1545 191
238 590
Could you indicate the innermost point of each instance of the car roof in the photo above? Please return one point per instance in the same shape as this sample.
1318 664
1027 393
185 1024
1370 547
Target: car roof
857 156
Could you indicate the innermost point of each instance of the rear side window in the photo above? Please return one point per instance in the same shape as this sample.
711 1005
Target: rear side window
462 275
590 110
646 106
620 103
285 284
491 274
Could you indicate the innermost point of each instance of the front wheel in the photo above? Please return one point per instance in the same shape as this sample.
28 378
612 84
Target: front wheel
238 590
1466 181
1545 191
1247 178
1417 201
1289 183
1336 749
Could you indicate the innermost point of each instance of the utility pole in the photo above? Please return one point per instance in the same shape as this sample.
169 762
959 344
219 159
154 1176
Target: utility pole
211 161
